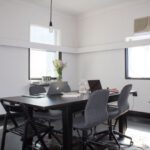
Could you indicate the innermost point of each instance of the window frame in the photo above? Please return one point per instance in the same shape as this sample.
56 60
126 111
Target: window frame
127 68
29 77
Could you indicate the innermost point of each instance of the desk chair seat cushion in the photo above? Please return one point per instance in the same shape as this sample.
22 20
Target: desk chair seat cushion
41 115
113 112
49 115
79 122
55 114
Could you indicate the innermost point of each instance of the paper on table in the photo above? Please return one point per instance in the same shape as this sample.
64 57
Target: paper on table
70 94
114 90
33 96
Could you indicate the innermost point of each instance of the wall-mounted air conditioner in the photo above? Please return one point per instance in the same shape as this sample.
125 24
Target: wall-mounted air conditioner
142 25
141 29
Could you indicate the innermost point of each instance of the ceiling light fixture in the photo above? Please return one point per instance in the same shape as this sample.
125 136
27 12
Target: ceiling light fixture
50 23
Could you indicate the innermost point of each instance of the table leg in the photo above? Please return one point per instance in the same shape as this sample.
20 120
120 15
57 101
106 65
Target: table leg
67 128
26 139
30 127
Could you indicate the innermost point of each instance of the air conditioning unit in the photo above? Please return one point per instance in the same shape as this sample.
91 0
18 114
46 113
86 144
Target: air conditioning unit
141 30
142 25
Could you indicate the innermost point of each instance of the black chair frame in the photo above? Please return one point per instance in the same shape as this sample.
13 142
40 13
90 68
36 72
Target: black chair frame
27 130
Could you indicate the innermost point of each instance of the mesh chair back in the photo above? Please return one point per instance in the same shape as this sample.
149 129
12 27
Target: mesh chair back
36 89
12 110
96 108
58 87
123 104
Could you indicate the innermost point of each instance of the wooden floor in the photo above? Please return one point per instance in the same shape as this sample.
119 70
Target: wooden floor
141 127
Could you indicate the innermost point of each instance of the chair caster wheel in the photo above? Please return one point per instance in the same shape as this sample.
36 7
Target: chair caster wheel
131 143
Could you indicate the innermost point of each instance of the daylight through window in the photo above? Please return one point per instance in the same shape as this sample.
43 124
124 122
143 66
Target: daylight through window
138 62
41 63
41 35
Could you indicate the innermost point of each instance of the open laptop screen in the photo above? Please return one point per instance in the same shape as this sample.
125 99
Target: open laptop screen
94 85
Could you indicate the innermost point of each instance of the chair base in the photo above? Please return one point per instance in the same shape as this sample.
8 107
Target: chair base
88 142
111 132
112 136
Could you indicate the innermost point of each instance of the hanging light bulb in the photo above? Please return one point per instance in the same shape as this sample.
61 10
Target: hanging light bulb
50 23
51 27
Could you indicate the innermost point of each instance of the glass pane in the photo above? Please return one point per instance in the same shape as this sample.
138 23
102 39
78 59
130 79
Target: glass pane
139 62
41 63
42 35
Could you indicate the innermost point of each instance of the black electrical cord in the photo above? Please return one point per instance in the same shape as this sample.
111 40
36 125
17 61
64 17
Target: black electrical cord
51 3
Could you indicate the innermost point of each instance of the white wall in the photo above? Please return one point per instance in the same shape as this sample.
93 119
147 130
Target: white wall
109 68
16 18
70 71
108 26
100 29
14 71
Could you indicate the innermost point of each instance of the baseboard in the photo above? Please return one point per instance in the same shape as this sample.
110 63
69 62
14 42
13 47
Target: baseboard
139 114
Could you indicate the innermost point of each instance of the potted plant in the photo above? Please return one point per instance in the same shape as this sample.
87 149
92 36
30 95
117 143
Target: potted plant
59 66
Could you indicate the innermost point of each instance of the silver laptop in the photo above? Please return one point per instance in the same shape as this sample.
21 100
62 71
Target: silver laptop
56 88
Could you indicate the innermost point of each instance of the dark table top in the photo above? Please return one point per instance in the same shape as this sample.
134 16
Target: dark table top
46 102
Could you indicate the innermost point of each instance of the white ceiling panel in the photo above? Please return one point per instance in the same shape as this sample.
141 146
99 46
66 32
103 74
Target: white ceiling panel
77 7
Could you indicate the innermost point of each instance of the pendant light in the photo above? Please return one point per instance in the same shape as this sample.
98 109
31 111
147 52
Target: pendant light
50 23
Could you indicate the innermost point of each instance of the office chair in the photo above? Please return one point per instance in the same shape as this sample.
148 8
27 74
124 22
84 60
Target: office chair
21 128
94 85
36 90
55 88
115 113
95 114
51 115
47 115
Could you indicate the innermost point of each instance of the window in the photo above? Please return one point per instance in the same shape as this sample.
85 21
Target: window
39 34
41 63
137 61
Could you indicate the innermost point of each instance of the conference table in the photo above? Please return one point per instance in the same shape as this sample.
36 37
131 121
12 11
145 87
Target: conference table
68 105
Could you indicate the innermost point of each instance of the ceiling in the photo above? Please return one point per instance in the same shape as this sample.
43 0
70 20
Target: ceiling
77 7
